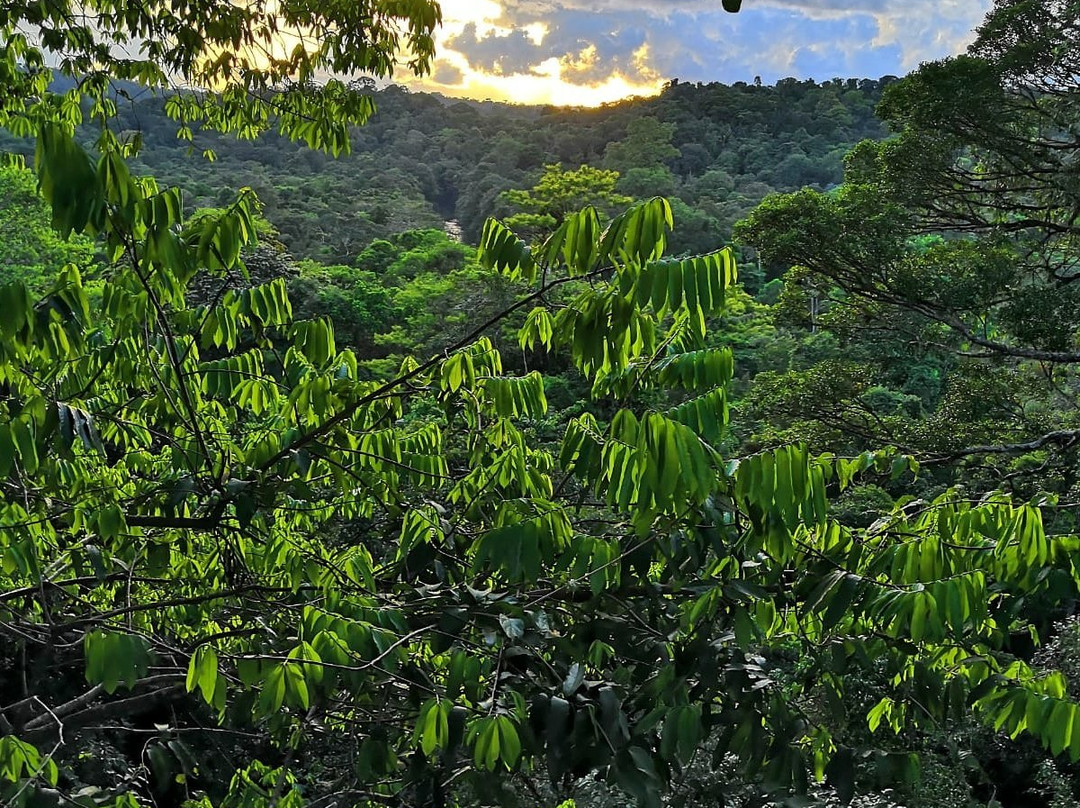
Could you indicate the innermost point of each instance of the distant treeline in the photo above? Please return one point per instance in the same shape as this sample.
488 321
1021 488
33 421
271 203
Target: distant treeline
424 159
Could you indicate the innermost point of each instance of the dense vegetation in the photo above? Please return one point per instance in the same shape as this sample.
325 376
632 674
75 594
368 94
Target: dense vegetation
307 503
716 150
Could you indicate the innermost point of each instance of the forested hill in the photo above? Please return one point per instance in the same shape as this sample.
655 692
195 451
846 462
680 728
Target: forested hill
423 159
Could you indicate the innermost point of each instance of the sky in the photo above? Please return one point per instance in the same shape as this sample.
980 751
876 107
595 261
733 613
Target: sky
589 52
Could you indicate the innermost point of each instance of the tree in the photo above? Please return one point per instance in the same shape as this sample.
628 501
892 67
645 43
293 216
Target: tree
403 590
958 236
327 208
647 145
641 183
210 502
32 251
943 270
559 193
262 59
406 297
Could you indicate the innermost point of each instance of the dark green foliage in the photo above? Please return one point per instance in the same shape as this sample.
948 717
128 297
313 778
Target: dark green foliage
260 58
32 251
424 160
955 241
409 295
303 552
428 524
648 144
943 272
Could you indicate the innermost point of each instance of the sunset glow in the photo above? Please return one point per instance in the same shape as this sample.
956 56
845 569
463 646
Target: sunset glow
549 81
578 53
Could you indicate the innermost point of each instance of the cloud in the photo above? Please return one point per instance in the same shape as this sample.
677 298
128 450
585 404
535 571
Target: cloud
591 51
498 53
447 74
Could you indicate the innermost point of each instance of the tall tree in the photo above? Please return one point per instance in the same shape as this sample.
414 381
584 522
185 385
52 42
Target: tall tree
559 193
647 145
265 62
959 236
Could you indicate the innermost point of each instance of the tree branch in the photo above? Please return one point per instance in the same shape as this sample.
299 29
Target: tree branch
1064 438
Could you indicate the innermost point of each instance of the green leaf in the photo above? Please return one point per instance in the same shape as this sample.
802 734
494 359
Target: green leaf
8 450
25 444
203 672
273 694
110 523
509 742
1059 727
880 711
485 733
504 252
296 686
114 658
432 726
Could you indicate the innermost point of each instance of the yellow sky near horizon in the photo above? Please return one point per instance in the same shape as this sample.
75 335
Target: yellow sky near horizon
546 82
